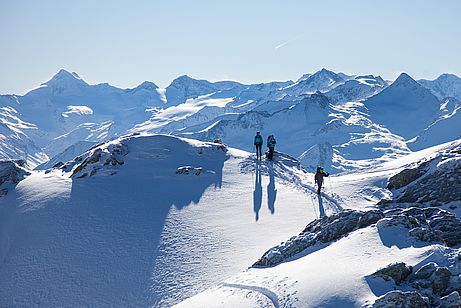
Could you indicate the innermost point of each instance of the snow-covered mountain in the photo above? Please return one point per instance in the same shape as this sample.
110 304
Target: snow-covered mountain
66 109
405 107
120 215
357 88
323 81
185 87
446 85
136 222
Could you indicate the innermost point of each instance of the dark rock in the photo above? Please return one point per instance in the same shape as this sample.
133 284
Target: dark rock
12 171
441 280
407 176
397 271
434 182
452 300
401 299
425 272
323 230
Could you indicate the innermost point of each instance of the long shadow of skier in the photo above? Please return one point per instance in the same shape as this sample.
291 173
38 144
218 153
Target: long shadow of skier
258 192
271 191
321 208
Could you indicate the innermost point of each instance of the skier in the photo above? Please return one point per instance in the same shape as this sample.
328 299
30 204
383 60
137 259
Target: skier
271 145
318 179
258 144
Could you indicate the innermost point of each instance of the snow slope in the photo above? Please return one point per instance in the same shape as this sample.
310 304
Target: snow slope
144 230
405 107
446 85
338 273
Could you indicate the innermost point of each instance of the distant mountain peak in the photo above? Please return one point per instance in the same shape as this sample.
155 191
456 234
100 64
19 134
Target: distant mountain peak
147 85
405 79
324 73
64 77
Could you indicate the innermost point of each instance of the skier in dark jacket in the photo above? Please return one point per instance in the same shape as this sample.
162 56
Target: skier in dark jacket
271 145
258 144
319 178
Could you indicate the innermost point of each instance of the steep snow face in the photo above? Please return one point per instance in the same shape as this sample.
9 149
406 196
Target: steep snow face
145 221
405 107
446 127
446 85
65 83
14 144
323 80
184 87
356 89
66 102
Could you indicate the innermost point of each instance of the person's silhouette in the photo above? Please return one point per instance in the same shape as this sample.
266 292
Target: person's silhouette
258 192
271 191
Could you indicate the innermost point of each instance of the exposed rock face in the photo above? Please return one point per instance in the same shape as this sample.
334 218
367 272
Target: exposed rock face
11 171
424 224
407 176
435 181
186 170
88 164
427 224
323 230
437 285
452 300
397 271
401 299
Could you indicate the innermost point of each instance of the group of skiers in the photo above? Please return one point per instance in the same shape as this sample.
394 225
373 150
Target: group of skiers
258 142
270 145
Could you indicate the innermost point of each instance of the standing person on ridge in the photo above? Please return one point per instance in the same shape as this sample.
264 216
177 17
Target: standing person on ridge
271 145
318 179
258 144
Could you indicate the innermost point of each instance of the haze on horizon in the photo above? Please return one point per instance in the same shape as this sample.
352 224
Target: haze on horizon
126 43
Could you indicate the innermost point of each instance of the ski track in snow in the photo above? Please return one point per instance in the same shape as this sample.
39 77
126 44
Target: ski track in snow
264 291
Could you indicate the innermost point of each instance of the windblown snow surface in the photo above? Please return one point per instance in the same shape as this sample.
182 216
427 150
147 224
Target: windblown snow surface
124 210
150 234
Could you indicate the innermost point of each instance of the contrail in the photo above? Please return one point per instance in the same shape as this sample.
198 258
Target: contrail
289 41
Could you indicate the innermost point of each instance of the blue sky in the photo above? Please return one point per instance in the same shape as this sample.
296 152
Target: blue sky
127 42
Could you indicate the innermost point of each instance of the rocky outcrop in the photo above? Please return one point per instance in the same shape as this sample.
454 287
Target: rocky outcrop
452 300
401 299
95 159
189 170
397 271
426 224
423 224
436 181
323 230
436 285
407 176
11 171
